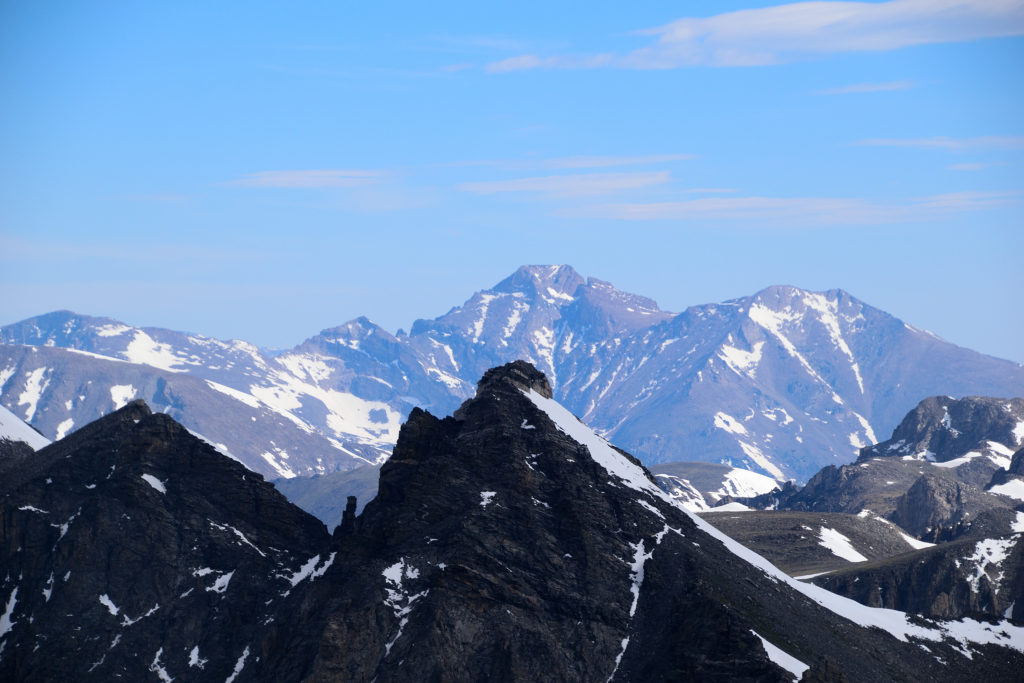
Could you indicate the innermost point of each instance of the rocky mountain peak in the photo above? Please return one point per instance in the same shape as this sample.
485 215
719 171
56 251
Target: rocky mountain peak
519 374
556 284
942 429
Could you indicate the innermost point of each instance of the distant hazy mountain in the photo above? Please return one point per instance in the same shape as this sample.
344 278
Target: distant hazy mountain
782 382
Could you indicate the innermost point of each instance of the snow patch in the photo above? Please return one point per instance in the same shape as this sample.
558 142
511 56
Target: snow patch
956 462
6 623
247 399
194 660
398 597
158 668
730 507
221 584
990 553
1013 489
782 658
310 570
154 482
109 604
64 427
729 424
839 545
144 350
120 394
755 454
14 428
111 330
742 362
34 388
238 666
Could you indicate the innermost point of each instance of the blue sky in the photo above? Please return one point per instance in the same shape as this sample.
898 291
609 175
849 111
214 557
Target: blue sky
263 171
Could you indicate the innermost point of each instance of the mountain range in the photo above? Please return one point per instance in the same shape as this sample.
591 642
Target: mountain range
507 542
782 382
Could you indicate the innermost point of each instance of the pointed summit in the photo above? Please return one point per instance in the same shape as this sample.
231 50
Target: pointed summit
519 374
554 284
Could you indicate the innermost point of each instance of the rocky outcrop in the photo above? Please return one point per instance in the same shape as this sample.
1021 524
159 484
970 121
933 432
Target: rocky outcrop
979 578
939 509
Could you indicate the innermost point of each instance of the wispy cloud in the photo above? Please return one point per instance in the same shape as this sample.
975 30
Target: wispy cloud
868 87
162 198
983 142
578 162
972 166
573 185
799 211
783 33
612 161
308 179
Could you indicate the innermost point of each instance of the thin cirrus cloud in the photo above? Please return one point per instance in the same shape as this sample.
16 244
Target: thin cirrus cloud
326 178
799 211
1008 142
572 185
868 87
577 162
784 33
612 161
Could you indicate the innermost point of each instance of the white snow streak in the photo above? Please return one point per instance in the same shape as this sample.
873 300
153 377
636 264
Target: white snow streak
398 597
729 424
158 668
6 623
34 388
12 427
154 482
238 666
782 658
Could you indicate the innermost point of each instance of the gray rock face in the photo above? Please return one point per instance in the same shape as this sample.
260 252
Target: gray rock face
963 578
977 435
808 543
782 382
499 548
934 477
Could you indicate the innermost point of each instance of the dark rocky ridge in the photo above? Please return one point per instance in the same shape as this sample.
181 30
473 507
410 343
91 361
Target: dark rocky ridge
535 584
193 566
792 540
948 428
931 476
949 581
498 548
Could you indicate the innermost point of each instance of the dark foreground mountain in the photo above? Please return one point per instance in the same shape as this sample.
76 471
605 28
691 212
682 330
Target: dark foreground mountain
781 382
507 542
